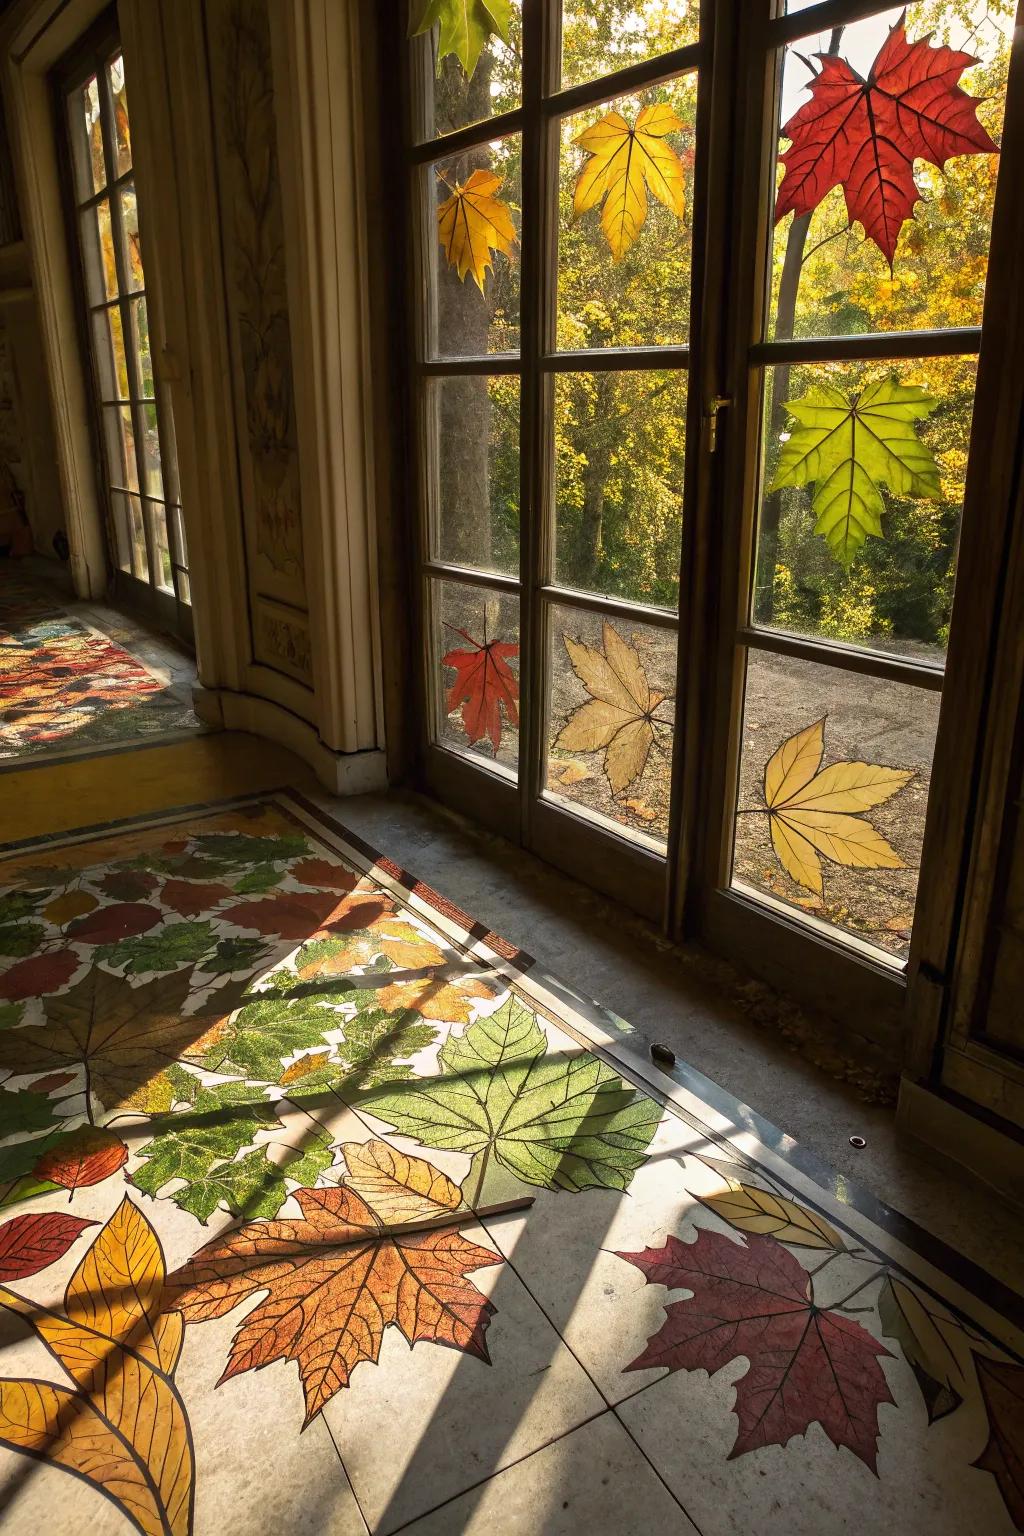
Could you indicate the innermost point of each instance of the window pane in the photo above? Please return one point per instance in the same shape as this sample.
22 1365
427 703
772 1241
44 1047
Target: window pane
828 278
110 359
475 199
170 461
122 131
599 36
842 841
625 220
140 343
140 560
476 645
611 713
119 433
98 253
154 484
184 588
87 140
495 83
619 440
158 523
132 248
879 447
122 530
178 529
474 424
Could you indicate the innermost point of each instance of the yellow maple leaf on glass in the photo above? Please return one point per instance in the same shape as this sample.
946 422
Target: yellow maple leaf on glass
814 810
472 223
619 717
625 163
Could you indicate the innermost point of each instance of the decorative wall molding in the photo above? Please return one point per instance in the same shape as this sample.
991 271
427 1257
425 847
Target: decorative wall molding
320 122
342 773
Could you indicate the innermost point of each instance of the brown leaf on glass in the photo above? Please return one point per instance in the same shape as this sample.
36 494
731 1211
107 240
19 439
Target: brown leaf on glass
617 718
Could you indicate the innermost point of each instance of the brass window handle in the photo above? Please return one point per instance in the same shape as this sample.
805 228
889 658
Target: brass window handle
715 404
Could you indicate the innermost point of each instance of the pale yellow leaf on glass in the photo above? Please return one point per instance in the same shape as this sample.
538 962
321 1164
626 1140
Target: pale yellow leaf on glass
625 163
750 1209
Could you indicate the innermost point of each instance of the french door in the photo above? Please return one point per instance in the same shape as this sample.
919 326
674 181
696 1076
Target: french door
137 467
697 313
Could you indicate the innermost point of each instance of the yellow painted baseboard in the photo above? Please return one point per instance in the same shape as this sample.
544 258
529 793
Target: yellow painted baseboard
87 791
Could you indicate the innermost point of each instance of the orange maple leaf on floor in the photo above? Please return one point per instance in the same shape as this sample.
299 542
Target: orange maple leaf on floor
448 1000
484 685
339 1275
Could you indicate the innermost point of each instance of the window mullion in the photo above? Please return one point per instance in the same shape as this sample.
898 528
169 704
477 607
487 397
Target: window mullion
538 256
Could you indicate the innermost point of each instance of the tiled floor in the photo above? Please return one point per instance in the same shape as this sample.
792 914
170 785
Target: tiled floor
690 1324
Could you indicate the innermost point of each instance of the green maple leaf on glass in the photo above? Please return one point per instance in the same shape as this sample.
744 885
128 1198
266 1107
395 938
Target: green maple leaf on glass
465 26
848 447
20 938
172 945
552 1119
201 1150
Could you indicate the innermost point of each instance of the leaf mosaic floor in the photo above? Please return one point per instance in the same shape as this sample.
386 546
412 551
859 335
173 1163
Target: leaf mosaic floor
324 1209
67 688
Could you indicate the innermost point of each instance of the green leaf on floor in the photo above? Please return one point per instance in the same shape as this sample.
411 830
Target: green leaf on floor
233 955
267 1030
20 939
20 903
554 1119
202 1146
24 1111
238 848
11 1014
172 945
263 878
315 1158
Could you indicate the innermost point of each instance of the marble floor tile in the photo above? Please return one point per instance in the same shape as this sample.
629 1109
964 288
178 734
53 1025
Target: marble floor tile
594 1480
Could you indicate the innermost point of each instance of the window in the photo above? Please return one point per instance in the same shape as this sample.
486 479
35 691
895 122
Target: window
139 465
693 371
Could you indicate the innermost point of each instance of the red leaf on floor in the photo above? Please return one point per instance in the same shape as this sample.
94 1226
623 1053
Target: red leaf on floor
51 1081
865 135
484 685
123 920
38 975
85 1156
188 897
320 872
128 884
1002 1387
29 1243
754 1298
290 915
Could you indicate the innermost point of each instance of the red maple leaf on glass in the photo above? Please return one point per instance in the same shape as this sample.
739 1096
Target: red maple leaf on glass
753 1298
865 135
484 685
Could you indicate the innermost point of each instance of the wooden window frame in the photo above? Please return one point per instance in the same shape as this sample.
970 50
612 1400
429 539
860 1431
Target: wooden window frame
91 57
738 60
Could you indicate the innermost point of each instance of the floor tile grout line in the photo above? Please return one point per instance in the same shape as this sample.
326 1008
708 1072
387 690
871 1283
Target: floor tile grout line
355 1497
610 1406
482 1482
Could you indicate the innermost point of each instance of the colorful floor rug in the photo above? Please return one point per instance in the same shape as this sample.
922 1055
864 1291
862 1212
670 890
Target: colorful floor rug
325 1209
66 688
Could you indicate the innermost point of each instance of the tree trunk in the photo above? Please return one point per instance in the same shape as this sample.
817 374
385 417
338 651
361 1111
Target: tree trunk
599 443
785 321
465 407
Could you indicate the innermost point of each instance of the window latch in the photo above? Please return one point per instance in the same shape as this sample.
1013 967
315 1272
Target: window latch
715 404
